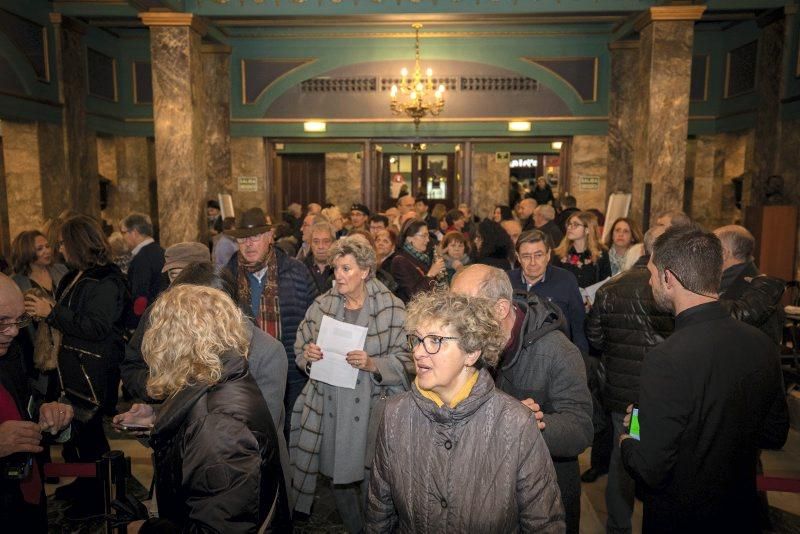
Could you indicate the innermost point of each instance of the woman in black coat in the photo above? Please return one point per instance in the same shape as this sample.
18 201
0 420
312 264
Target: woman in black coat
494 245
90 303
413 268
217 463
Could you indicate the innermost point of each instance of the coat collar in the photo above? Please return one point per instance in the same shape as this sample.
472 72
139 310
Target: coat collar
701 313
481 392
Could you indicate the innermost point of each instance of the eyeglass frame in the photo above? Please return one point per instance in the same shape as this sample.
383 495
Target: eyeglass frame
573 224
24 320
421 341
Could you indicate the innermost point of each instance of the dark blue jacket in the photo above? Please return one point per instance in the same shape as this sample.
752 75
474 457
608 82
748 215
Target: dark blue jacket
144 279
560 287
296 292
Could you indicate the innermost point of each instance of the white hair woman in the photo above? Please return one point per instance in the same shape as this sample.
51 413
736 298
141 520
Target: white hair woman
217 459
455 454
332 426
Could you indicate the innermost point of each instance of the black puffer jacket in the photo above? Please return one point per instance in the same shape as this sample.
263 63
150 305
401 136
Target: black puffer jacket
90 315
625 324
217 464
756 302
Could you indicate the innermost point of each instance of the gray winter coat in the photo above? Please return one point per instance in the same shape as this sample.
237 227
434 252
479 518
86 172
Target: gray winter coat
481 467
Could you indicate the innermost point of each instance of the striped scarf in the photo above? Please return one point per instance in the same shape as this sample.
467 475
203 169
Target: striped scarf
268 318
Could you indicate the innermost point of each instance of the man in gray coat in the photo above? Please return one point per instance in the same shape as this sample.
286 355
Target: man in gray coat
544 370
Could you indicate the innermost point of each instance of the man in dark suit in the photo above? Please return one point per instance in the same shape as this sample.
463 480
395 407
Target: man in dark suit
751 297
147 262
711 396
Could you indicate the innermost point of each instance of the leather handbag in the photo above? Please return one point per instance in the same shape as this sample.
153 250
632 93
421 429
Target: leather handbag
84 406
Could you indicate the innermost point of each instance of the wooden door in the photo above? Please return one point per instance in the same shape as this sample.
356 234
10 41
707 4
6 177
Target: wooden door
302 179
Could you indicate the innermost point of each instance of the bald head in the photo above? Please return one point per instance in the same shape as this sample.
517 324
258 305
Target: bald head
12 308
525 208
737 244
482 281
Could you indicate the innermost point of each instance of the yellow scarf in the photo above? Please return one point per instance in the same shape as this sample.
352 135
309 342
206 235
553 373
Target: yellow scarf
462 394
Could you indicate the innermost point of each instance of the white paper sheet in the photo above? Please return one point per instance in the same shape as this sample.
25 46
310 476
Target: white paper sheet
336 339
589 292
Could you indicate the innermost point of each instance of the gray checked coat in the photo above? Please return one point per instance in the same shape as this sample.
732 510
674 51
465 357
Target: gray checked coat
356 424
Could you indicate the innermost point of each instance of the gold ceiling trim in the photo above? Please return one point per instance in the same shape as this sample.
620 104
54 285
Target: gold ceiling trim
402 35
168 18
404 19
464 119
668 13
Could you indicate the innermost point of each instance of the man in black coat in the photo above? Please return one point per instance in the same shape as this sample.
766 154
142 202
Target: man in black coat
144 271
624 325
753 298
711 396
22 499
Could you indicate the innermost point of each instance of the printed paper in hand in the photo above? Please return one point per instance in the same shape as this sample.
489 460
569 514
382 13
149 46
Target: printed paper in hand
336 339
590 291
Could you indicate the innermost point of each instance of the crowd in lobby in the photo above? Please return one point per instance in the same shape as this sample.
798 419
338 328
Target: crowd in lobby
490 354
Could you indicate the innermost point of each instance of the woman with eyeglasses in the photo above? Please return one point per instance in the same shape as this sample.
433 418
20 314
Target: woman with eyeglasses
581 251
455 454
88 310
413 268
333 428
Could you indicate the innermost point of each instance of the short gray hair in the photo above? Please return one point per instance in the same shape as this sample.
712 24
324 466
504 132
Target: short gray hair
361 252
738 240
547 211
494 284
321 225
650 238
139 222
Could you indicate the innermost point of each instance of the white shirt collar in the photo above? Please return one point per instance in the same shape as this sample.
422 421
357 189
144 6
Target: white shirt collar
146 241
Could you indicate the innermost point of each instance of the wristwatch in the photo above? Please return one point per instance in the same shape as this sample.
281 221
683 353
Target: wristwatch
308 368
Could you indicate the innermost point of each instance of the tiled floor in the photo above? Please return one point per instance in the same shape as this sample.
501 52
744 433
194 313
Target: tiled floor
785 512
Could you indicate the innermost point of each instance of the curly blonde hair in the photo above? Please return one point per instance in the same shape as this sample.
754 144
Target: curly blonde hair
473 320
190 327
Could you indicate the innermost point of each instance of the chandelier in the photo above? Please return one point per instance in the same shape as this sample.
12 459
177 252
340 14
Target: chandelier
416 97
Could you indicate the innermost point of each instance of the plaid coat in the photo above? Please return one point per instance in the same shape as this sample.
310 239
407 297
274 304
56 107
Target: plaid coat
386 345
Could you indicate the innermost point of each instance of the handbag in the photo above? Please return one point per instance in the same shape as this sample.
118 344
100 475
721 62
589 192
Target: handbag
85 407
46 346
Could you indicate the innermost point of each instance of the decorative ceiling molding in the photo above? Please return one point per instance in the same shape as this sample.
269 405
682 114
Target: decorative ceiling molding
168 18
668 13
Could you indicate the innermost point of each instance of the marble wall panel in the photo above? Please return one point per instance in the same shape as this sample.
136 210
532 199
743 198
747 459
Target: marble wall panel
130 191
621 118
249 160
5 238
343 179
107 157
491 180
789 168
589 164
706 166
179 130
217 85
34 186
662 103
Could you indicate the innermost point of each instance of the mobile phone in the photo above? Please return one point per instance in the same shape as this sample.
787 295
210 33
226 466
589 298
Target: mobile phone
135 428
634 429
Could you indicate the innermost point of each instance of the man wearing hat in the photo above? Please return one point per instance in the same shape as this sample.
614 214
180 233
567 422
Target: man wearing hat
273 288
359 217
180 255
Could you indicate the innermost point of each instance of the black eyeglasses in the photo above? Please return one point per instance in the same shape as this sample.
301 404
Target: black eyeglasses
23 321
431 343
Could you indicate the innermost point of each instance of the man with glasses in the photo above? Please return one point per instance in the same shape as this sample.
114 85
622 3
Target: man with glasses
274 289
540 367
22 499
555 284
711 395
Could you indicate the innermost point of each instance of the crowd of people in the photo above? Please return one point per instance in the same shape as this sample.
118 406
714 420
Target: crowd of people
495 352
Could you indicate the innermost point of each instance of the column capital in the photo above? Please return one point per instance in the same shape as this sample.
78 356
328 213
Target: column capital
168 18
68 23
668 13
628 44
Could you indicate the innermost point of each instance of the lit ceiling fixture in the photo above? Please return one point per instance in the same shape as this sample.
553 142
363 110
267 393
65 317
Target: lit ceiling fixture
314 126
556 145
519 126
417 97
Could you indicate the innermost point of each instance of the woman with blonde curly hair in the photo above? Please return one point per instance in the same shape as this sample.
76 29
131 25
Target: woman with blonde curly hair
455 454
581 251
216 447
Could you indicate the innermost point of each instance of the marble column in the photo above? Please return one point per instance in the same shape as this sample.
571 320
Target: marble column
343 179
774 44
217 83
5 237
490 183
589 162
622 115
179 125
707 168
33 156
249 159
127 163
666 36
81 186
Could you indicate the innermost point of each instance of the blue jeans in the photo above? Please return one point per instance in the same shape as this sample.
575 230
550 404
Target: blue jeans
620 488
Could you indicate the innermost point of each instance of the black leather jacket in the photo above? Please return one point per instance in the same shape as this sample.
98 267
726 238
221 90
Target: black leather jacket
217 463
625 324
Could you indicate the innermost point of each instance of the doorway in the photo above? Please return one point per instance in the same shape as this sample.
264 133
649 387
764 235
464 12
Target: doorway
430 175
302 179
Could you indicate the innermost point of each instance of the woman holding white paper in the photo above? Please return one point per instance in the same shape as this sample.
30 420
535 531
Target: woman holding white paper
334 428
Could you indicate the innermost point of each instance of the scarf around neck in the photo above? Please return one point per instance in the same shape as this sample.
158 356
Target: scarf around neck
268 317
419 256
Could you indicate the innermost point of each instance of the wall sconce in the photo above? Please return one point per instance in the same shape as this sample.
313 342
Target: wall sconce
519 126
314 126
556 145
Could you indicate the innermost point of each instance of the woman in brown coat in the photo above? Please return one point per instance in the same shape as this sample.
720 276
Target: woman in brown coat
455 454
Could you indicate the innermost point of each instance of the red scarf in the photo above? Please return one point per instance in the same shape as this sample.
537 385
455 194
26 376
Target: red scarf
32 486
269 311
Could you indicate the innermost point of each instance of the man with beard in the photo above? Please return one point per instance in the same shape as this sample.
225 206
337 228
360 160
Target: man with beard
710 397
274 289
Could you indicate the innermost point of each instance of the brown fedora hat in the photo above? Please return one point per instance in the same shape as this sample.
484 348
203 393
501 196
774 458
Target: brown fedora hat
251 222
